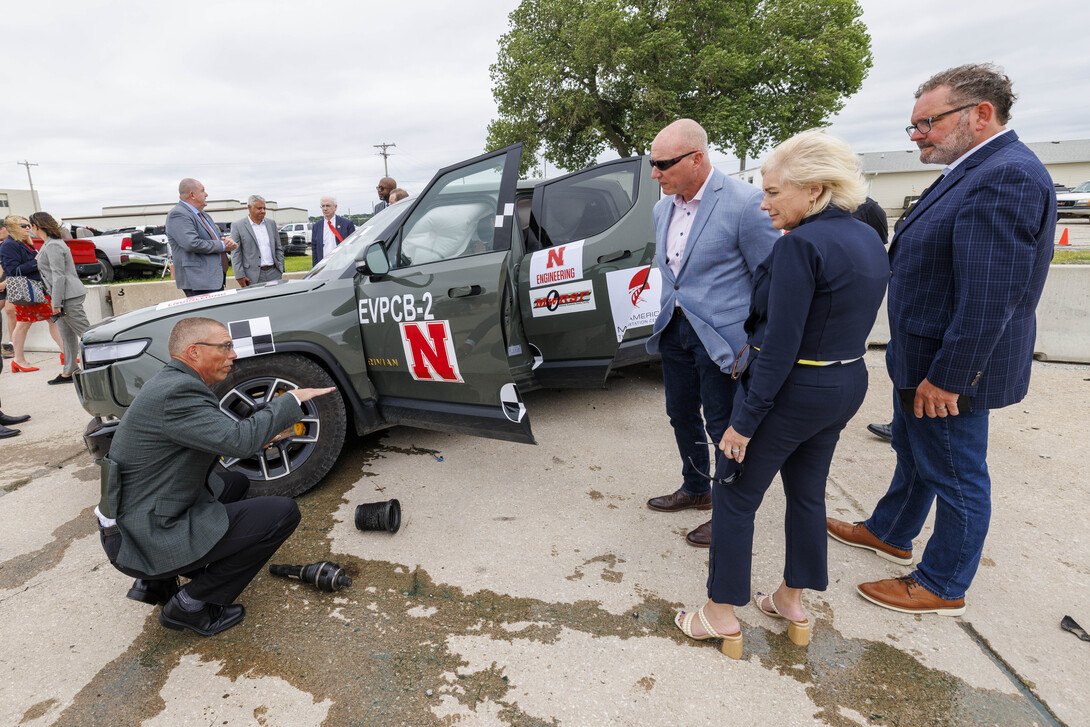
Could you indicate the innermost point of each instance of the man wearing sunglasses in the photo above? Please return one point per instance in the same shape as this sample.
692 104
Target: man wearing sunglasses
165 512
968 266
710 237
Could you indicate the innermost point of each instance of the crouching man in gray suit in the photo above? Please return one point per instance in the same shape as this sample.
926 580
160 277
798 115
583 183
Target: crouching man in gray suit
165 513
259 256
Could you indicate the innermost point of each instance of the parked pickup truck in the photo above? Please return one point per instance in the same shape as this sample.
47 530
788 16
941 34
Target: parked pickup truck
83 255
128 251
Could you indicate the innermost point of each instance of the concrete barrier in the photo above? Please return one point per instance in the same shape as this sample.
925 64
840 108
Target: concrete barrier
1063 316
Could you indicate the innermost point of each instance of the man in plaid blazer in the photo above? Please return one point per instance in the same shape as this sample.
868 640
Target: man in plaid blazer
967 269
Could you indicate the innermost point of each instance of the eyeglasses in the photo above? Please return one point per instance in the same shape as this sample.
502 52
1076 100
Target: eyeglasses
381 187
229 346
729 479
924 125
25 227
663 164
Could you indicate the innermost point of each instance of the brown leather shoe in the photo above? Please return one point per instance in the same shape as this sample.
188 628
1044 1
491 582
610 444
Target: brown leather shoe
681 501
904 594
701 537
856 535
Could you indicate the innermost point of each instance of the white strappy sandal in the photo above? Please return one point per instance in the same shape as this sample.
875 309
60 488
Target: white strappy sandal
732 643
797 631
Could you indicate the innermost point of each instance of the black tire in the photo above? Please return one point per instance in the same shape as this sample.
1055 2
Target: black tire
105 273
296 463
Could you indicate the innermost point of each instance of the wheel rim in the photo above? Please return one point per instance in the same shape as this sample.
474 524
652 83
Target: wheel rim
284 456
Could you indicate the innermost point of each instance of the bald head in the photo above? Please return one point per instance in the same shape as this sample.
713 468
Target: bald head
192 191
684 143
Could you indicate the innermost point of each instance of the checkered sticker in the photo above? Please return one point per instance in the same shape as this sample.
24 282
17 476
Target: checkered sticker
252 337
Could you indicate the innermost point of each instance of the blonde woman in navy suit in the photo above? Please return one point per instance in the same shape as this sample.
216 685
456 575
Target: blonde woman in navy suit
814 301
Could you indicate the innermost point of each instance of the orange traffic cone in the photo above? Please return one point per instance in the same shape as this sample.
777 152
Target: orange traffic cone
1063 238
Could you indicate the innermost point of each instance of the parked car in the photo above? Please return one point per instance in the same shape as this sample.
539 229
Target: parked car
296 246
83 255
1075 203
298 228
438 312
129 251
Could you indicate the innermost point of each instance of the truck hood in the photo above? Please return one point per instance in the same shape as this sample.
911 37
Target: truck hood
109 329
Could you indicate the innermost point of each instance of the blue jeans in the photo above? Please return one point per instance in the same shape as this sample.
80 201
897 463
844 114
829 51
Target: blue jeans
693 382
938 459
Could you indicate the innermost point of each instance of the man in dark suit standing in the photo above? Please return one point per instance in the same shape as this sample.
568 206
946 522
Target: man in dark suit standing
198 250
166 513
710 237
328 232
259 256
968 266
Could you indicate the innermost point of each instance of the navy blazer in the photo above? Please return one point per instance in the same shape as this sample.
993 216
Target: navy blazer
968 266
18 259
320 230
729 238
815 298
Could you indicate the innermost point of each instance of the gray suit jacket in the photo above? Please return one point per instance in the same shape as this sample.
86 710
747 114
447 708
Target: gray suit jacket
729 238
196 253
246 258
59 272
164 493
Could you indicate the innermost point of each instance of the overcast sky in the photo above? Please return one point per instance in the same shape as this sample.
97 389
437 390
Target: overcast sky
117 100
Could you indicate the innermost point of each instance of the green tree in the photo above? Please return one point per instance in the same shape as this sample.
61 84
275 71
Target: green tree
576 77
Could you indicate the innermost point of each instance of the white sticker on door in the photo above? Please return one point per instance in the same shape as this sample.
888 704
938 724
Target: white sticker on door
634 297
561 264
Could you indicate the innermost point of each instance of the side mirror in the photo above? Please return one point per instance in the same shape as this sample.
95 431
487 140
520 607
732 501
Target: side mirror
374 261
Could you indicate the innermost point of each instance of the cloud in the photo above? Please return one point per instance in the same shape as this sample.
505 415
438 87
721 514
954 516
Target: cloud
117 101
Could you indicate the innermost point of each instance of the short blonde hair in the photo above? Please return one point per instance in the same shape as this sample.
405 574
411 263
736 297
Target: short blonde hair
817 158
13 222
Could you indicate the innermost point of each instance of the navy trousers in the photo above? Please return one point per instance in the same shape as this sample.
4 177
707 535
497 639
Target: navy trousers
699 397
797 439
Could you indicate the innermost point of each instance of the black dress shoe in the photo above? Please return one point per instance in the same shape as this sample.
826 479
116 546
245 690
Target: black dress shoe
681 501
701 537
5 419
208 621
153 592
5 432
885 431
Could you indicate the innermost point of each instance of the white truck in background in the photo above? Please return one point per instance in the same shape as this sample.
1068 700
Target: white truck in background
128 252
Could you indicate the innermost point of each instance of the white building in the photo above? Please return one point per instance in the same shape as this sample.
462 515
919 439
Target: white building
21 202
153 215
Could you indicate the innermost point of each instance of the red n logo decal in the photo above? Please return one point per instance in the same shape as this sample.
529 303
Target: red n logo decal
430 351
556 257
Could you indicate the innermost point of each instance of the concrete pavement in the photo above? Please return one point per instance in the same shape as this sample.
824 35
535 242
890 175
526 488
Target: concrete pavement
530 585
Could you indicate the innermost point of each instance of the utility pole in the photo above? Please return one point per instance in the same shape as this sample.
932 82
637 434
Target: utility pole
28 165
384 154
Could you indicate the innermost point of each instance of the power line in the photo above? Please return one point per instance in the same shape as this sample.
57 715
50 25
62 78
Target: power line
385 155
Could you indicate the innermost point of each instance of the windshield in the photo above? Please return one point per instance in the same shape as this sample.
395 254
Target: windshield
1084 187
357 242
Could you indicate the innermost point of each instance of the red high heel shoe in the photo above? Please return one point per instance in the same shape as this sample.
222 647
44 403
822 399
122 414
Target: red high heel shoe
16 368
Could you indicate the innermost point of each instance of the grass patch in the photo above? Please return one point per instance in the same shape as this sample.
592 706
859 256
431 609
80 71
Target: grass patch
1071 257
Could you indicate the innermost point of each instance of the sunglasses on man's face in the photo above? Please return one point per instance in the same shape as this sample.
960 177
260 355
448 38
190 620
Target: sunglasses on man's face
663 164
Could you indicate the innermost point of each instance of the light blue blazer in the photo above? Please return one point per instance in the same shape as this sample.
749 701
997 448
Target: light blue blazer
729 238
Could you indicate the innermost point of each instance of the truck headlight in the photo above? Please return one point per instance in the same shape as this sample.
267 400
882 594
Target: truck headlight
98 354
